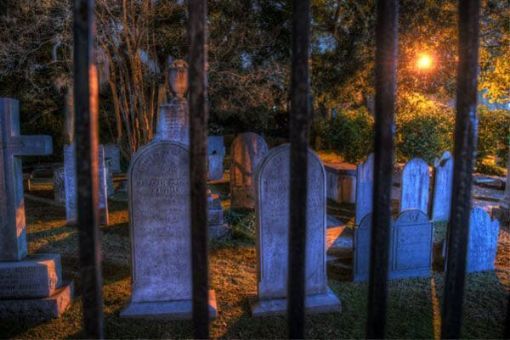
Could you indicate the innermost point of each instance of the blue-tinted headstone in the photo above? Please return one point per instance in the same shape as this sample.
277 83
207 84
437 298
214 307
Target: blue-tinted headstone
415 186
411 245
361 244
483 241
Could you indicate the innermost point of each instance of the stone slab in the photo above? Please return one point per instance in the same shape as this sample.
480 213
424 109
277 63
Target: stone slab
36 276
112 152
443 184
215 157
171 310
415 186
364 188
318 303
38 309
483 241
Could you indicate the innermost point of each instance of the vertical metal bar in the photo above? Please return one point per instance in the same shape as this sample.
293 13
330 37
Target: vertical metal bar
86 108
466 125
507 328
198 146
299 124
385 86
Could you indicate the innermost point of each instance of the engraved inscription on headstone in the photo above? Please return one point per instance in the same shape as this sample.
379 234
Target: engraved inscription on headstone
415 186
443 183
361 251
159 208
483 241
246 152
411 245
364 188
272 182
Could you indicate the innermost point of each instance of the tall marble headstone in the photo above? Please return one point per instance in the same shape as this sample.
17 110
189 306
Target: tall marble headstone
215 156
483 241
59 190
70 182
246 152
361 249
31 286
112 152
272 211
415 186
443 185
411 245
160 226
364 188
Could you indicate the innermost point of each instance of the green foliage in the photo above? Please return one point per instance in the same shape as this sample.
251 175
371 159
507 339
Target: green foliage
493 135
424 129
350 134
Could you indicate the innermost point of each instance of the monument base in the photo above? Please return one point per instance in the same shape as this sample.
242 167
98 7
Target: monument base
171 310
318 303
38 309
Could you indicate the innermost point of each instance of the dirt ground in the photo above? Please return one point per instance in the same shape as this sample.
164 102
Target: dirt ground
413 312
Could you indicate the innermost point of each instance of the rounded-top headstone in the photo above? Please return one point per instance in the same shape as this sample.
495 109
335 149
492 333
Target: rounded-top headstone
415 186
246 152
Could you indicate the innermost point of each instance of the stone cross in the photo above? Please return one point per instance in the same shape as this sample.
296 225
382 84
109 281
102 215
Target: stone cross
415 186
13 243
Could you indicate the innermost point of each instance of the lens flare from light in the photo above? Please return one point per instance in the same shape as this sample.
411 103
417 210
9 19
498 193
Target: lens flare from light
424 62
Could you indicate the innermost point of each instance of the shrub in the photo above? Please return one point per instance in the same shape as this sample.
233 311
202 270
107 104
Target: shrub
493 135
350 134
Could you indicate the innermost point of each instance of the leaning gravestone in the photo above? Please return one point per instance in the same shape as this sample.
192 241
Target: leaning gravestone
272 182
246 152
443 185
483 241
112 152
411 245
415 186
160 226
71 185
361 251
59 190
31 286
215 156
364 188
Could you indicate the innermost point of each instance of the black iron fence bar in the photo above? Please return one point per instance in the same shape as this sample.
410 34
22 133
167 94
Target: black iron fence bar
198 108
86 109
507 327
300 111
385 86
465 146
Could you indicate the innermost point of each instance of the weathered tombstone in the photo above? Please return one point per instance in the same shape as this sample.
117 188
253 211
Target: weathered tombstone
364 188
411 245
160 226
71 186
215 156
217 228
246 152
415 186
31 286
273 186
112 152
110 188
361 249
173 118
483 241
59 190
341 182
443 184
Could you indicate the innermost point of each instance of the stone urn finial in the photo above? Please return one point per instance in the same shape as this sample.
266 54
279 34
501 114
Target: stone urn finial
178 77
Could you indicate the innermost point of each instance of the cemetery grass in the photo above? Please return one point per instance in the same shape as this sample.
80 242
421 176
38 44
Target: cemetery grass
413 312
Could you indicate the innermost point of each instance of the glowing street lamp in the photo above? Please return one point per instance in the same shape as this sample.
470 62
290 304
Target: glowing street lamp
424 62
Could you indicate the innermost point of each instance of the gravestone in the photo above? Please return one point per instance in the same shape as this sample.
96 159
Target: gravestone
31 286
411 245
215 156
59 190
483 241
443 185
160 226
112 152
415 186
341 182
364 188
110 188
272 211
361 251
71 185
246 152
